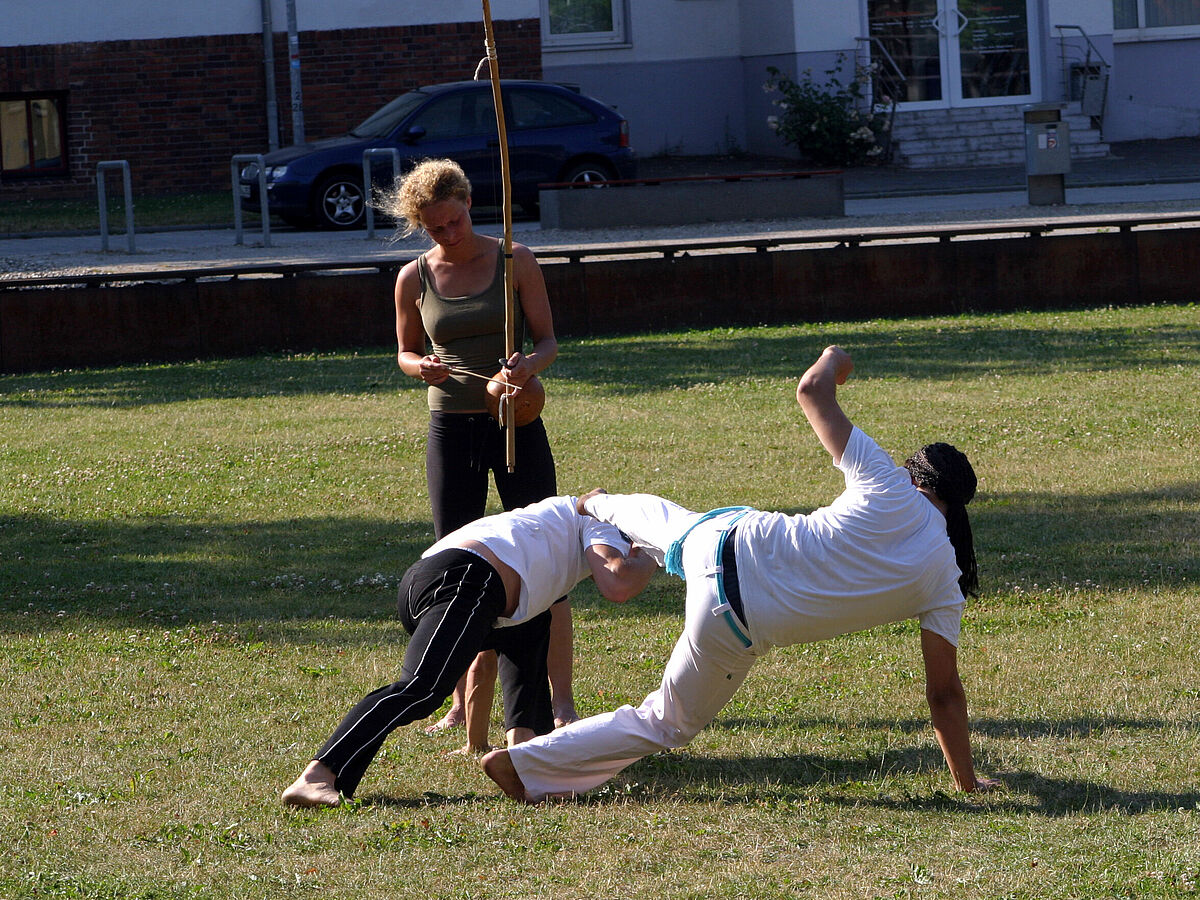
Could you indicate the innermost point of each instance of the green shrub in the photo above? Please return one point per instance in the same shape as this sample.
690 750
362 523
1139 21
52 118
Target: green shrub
830 123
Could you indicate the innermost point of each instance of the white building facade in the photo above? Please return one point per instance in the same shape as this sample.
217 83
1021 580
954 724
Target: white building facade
689 73
80 80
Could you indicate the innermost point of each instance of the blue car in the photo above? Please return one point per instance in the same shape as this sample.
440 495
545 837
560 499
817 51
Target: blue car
555 134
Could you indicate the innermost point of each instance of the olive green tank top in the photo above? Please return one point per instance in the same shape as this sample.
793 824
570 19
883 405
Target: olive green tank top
467 333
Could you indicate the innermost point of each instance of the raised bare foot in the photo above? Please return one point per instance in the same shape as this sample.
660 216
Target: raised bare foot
314 787
580 504
565 716
498 766
452 719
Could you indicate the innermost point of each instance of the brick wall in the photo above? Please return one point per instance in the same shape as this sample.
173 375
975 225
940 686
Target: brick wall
179 108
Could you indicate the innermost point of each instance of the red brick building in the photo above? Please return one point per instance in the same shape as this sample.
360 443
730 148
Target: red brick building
179 108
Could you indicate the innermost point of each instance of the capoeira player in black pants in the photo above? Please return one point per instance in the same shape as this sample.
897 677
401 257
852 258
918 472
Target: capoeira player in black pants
488 585
895 545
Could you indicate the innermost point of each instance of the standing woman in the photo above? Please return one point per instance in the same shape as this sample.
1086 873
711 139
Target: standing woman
453 297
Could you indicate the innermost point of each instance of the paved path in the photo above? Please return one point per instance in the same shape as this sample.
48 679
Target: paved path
1151 178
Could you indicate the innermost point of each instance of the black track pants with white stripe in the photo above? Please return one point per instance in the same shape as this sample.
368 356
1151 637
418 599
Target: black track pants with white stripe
449 604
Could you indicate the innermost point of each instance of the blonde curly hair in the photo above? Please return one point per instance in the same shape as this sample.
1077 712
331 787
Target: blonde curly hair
430 181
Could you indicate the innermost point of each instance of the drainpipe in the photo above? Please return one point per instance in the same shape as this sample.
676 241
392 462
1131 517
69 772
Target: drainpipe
294 70
269 64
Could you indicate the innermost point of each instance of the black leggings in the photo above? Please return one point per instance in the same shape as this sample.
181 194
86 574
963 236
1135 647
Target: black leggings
449 603
462 449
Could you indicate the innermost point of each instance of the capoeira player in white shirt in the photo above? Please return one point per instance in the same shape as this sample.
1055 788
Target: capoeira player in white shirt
488 585
895 545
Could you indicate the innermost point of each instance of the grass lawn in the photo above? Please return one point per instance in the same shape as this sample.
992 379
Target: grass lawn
197 574
31 215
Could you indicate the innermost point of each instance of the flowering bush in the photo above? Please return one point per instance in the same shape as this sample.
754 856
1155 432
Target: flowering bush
830 123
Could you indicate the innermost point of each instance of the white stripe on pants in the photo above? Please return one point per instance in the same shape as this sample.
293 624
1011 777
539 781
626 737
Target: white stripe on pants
706 667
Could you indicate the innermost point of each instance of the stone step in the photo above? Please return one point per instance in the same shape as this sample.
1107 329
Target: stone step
980 136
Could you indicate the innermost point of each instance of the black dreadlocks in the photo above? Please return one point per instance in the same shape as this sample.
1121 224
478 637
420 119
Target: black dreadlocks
947 472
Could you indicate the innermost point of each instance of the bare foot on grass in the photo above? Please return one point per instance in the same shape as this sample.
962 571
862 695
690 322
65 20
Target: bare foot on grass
452 719
314 787
471 750
498 766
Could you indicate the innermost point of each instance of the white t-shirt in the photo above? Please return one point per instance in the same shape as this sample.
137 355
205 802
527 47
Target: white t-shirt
879 553
544 543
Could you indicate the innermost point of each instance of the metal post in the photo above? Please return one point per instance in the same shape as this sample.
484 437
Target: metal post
1047 153
262 196
294 70
123 165
367 154
269 67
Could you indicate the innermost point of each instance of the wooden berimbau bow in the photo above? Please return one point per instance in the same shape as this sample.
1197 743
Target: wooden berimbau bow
506 417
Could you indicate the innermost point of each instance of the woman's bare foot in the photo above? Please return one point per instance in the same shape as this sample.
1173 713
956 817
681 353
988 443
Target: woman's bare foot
498 766
452 719
314 787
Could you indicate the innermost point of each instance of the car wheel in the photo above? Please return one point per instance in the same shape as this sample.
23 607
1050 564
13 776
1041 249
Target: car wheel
338 202
589 173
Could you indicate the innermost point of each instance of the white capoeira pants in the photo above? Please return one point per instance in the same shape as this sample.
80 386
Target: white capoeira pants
708 664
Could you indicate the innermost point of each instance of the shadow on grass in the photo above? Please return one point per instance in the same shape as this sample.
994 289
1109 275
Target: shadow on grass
349 568
854 782
425 800
857 782
179 571
1123 539
1069 729
643 363
949 352
349 373
173 572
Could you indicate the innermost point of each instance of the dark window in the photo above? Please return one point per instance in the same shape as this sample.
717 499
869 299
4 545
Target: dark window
33 135
459 115
1129 14
541 109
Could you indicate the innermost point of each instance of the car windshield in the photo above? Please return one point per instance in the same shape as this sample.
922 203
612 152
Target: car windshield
383 121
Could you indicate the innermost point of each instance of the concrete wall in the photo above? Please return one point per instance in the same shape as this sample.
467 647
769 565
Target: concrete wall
1155 90
691 81
685 107
678 81
81 326
688 201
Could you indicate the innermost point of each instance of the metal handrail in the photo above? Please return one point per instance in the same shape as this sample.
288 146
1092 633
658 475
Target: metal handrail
1090 48
892 80
876 42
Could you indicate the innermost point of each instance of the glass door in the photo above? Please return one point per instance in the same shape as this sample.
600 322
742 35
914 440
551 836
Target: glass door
956 52
992 61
